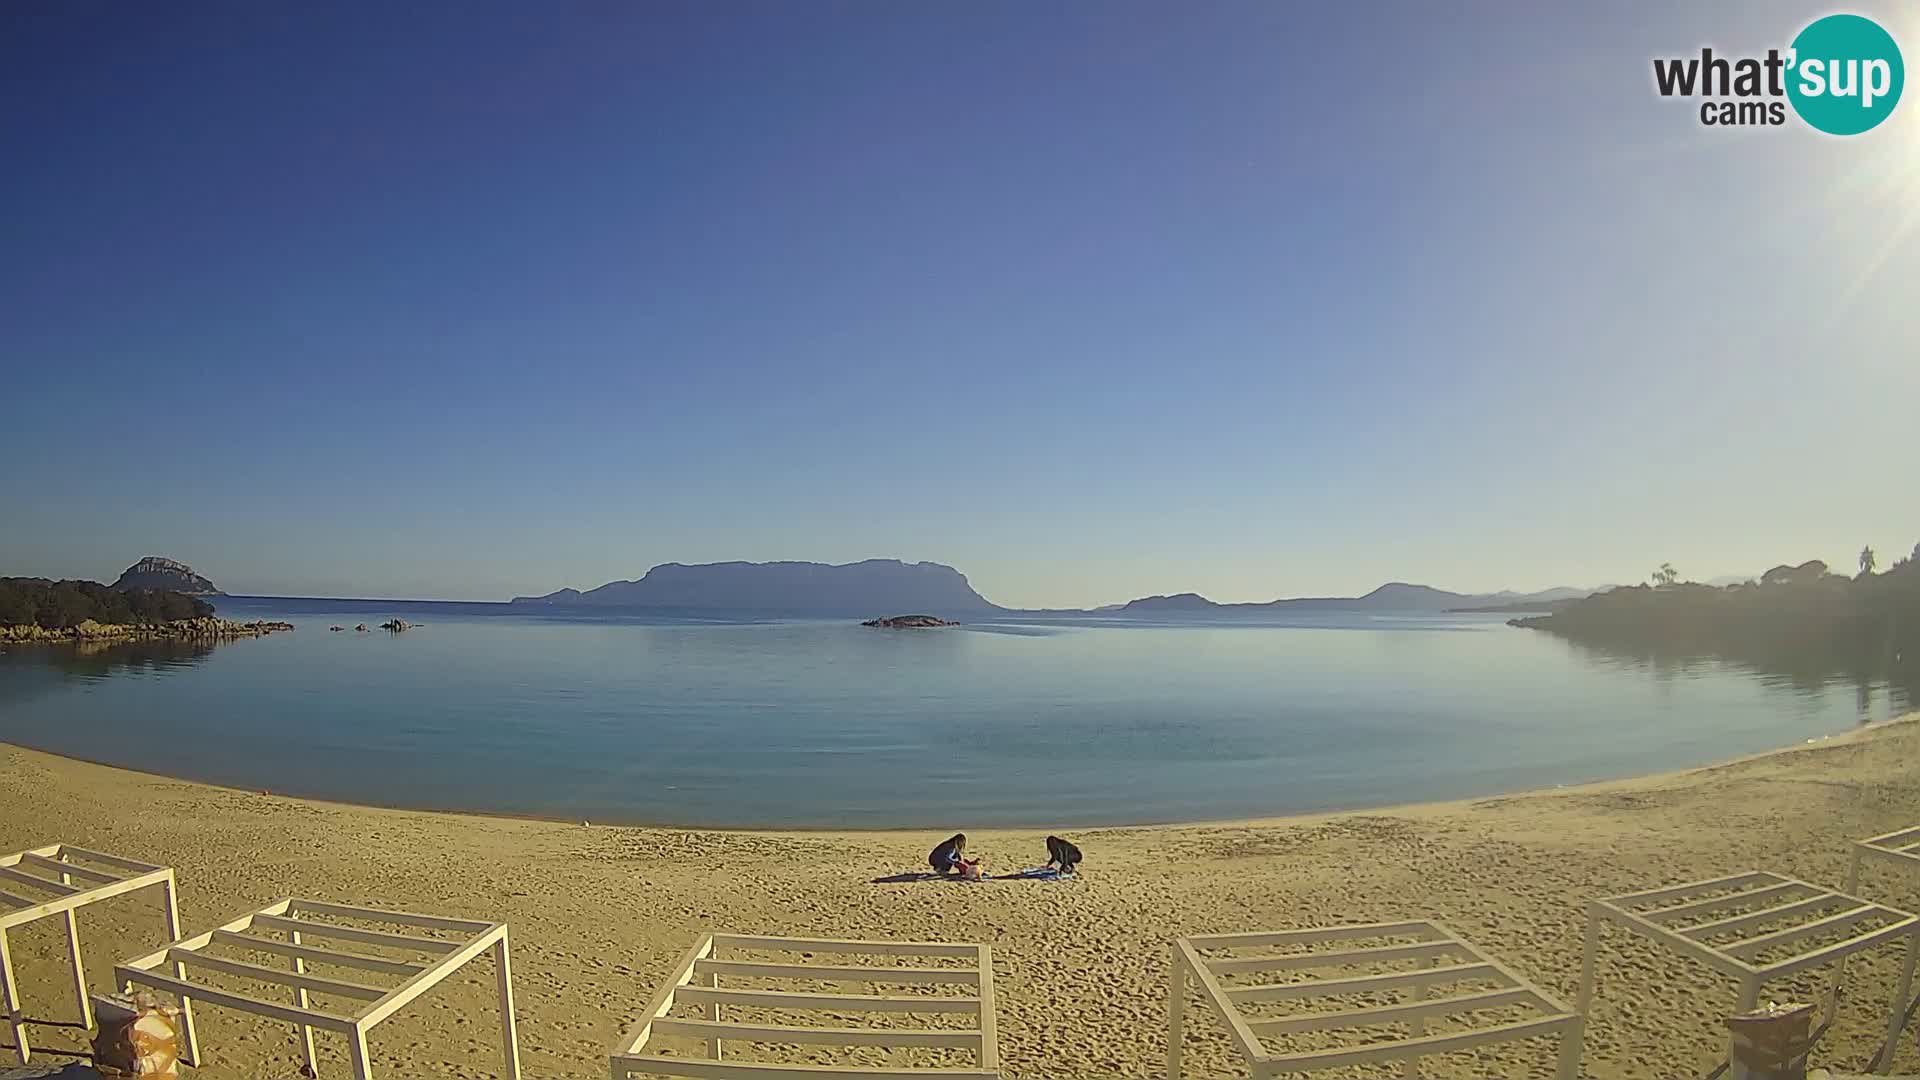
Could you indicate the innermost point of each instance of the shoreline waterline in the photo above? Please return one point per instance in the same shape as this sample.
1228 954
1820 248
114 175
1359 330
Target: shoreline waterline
1859 733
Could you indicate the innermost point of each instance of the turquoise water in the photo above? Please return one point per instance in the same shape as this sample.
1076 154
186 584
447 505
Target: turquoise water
769 722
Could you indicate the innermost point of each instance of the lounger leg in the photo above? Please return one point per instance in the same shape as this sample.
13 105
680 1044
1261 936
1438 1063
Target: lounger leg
1176 1013
1416 1027
1749 994
180 972
79 973
1584 1002
1899 1008
1571 1038
300 999
1853 874
509 1034
10 991
357 1051
713 1013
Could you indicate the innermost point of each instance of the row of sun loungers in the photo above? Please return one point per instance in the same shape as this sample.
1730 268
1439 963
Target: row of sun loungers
1753 927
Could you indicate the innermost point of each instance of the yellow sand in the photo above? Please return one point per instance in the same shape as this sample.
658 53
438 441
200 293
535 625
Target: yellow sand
599 914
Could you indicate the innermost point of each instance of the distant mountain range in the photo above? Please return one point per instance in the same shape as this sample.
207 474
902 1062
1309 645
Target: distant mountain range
874 587
881 587
1393 596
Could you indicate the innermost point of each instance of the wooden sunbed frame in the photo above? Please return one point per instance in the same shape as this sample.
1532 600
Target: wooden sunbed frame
1900 847
293 918
1702 913
100 877
1459 961
697 979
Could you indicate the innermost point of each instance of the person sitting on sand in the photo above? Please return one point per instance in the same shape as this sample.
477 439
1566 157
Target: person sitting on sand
1063 854
950 856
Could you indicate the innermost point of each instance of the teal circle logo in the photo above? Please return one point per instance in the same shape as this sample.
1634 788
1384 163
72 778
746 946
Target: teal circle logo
1845 74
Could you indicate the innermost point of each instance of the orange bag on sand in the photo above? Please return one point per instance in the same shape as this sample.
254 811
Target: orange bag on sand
137 1037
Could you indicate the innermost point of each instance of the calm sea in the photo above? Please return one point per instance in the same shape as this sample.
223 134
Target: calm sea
779 722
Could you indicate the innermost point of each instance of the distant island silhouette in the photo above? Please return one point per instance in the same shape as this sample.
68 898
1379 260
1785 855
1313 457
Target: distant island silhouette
826 589
155 572
795 587
1393 596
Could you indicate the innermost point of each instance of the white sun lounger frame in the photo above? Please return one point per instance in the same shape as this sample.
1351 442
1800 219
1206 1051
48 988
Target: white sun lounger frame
100 877
449 955
697 979
1458 959
1900 847
1682 926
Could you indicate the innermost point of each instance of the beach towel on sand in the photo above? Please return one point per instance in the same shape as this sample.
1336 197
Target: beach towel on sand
1038 873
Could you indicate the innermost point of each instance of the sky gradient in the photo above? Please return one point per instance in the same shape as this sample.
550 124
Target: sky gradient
1091 301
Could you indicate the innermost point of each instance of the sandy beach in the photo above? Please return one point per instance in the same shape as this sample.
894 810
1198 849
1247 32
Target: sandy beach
599 914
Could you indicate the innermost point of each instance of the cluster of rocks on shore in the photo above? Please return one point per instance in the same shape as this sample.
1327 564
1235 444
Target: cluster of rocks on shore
201 629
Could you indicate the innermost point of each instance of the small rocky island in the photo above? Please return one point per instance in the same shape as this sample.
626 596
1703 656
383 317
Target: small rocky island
909 622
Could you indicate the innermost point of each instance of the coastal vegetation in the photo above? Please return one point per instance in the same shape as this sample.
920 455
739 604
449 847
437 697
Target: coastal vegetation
1801 620
62 605
39 610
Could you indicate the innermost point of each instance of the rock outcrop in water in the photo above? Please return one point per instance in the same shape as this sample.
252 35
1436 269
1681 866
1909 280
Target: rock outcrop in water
798 588
909 622
154 572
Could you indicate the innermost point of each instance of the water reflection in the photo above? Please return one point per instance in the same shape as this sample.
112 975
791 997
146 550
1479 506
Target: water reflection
1801 670
97 659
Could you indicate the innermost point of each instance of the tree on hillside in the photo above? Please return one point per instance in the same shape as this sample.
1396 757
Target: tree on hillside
1666 575
1866 562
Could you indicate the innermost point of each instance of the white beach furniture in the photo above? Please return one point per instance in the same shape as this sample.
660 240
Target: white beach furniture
1405 958
1756 927
60 879
1900 848
302 932
696 981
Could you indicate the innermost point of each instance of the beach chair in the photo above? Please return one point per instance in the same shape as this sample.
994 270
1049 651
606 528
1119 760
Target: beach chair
60 879
302 934
1240 975
1757 927
695 982
1900 848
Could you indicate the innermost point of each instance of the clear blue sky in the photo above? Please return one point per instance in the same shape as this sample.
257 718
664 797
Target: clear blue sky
1091 300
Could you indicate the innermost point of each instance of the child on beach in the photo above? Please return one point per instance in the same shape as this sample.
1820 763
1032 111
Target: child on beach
950 856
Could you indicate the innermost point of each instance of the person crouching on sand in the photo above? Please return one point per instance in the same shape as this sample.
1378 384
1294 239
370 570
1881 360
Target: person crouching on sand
951 856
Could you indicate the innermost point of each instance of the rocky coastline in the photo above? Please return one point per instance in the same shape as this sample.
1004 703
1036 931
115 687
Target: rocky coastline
204 628
908 622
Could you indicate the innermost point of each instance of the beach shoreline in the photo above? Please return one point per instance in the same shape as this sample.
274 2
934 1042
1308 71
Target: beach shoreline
1265 820
600 913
